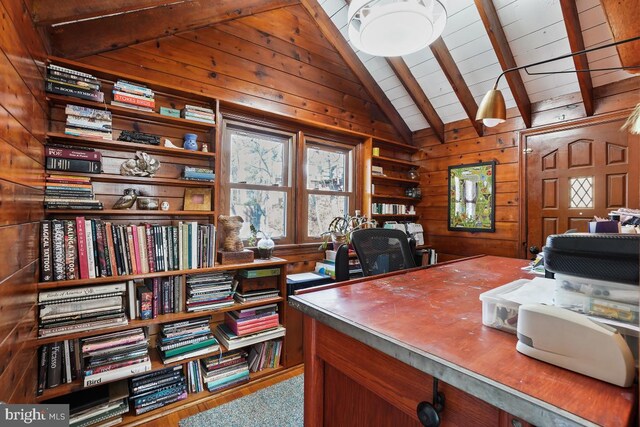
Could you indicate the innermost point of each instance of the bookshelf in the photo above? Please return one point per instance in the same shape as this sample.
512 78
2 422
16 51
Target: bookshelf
166 185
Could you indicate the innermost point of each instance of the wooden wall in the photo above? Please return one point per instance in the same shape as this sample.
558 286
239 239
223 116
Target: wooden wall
502 144
277 62
23 121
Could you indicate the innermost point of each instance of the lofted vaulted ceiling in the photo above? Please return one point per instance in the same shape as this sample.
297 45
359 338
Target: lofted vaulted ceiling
427 89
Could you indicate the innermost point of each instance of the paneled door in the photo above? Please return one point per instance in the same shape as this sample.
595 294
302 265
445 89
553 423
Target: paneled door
574 174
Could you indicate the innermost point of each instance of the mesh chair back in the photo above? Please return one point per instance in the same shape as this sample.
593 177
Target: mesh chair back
382 250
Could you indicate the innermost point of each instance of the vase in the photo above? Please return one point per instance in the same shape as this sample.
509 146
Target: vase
190 142
265 248
338 239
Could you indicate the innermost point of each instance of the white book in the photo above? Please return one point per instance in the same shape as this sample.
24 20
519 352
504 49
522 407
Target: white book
180 244
249 339
80 307
142 244
88 326
131 294
194 353
48 296
116 374
193 231
67 362
90 258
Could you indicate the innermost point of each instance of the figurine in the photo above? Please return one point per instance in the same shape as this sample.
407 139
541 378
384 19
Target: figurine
231 226
169 144
164 206
127 200
142 165
205 148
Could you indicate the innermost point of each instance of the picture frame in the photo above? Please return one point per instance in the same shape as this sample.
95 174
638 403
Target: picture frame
197 199
471 197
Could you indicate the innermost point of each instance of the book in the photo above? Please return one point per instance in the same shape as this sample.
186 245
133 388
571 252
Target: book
232 341
124 372
128 98
54 372
78 292
263 272
70 90
70 250
57 246
90 113
73 165
131 106
66 153
46 259
145 302
43 363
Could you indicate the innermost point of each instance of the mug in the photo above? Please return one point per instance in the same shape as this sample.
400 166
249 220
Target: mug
190 141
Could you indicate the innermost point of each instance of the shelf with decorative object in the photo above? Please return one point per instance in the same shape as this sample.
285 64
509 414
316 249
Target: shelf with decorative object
387 180
127 212
393 162
394 197
384 216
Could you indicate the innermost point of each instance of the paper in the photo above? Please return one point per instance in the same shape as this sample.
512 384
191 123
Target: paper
536 291
304 277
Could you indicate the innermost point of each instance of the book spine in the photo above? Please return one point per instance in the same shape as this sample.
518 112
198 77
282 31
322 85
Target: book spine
159 250
67 362
71 260
115 374
46 272
88 113
63 89
150 246
116 249
180 244
72 165
108 248
177 292
132 250
165 296
73 359
95 247
131 299
142 248
53 67
156 296
58 250
193 236
91 83
42 371
165 248
66 153
126 249
82 248
130 99
102 260
169 248
54 372
91 261
145 301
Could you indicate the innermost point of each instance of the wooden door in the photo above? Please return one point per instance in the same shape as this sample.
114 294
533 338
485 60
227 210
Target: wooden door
574 174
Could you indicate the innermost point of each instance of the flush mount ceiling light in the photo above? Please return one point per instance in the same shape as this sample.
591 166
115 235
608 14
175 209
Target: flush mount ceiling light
492 110
395 27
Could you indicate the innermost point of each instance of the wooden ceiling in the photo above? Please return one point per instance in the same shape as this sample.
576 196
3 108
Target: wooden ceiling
433 87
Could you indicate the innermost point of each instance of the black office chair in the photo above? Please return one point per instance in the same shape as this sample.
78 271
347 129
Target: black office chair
382 250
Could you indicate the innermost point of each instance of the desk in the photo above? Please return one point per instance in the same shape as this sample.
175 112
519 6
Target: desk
372 347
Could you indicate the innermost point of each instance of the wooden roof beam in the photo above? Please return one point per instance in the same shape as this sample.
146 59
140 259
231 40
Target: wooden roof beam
574 32
501 46
85 38
332 34
451 70
417 94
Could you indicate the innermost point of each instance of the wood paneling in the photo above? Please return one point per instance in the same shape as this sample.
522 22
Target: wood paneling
23 118
284 68
502 144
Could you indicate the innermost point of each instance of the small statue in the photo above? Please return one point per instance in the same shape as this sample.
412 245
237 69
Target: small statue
169 144
142 165
127 200
231 226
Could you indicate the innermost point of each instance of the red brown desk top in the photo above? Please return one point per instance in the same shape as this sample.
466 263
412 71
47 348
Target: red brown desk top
431 319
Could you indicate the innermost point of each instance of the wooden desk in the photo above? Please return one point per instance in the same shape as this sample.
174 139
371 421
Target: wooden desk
371 349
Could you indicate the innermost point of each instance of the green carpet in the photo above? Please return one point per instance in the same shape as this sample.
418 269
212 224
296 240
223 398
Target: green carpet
278 405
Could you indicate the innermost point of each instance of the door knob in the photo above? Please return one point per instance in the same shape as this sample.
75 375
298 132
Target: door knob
429 414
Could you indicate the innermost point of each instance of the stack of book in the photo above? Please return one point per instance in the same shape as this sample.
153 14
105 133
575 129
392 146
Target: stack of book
69 192
64 311
103 249
198 174
72 159
185 339
101 406
209 291
58 363
233 341
224 371
265 355
194 376
114 356
157 389
153 296
198 114
133 95
257 285
65 81
243 322
88 122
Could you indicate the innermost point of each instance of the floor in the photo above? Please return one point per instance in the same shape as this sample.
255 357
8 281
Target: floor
224 397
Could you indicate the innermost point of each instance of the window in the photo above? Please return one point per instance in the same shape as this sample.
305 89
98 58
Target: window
285 185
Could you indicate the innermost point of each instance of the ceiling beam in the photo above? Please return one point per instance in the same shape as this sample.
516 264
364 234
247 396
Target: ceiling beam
334 37
85 38
501 47
416 93
574 32
451 70
47 12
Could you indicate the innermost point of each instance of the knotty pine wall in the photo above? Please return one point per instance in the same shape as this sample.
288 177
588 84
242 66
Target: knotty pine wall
276 61
502 144
22 128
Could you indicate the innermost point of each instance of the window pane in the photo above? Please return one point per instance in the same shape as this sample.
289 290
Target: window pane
325 169
581 192
257 159
322 209
266 210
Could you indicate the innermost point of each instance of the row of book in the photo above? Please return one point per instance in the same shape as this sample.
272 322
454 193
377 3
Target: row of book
59 363
65 81
69 192
63 311
265 355
391 209
198 114
151 297
226 370
243 323
68 158
232 341
209 291
90 248
133 95
186 339
194 377
198 174
88 122
157 389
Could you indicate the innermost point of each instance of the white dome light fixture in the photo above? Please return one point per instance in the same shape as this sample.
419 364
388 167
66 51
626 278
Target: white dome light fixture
395 27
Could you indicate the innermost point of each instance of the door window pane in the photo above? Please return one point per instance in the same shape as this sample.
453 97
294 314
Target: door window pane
581 192
257 159
322 209
325 169
266 210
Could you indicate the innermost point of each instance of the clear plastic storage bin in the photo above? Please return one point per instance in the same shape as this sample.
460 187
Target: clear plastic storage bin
498 312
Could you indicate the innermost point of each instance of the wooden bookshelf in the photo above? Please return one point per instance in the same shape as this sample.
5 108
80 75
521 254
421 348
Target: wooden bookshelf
388 180
394 162
393 197
127 212
392 216
140 180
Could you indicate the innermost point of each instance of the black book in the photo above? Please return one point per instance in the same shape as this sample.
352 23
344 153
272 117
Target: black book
58 250
54 372
65 89
46 258
42 371
107 257
73 165
94 236
71 256
116 249
127 250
